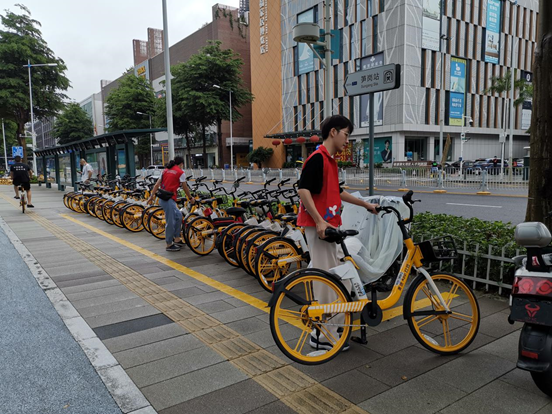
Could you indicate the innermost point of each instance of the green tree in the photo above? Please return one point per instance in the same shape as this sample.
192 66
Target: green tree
501 84
540 181
73 125
21 41
196 100
260 155
133 95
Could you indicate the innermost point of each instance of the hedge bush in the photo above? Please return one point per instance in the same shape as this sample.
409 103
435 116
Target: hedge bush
469 233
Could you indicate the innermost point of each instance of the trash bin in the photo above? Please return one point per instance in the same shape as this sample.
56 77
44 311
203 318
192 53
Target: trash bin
526 168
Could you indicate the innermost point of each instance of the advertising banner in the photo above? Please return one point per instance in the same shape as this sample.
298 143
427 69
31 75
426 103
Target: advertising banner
346 154
142 70
527 106
370 62
383 150
305 56
492 40
457 91
431 24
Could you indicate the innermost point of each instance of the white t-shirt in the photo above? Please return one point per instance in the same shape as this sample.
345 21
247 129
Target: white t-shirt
85 170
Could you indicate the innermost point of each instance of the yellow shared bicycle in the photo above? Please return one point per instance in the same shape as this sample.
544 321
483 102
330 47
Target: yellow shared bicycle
441 310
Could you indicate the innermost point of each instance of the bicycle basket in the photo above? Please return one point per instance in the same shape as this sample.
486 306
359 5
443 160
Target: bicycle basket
438 249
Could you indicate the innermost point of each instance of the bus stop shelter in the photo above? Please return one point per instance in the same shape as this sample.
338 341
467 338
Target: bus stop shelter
109 154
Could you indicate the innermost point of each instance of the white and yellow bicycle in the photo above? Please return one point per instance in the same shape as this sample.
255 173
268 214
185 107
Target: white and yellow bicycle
441 310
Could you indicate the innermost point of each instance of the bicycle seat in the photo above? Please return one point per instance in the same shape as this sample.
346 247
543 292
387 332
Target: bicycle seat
337 236
244 203
236 211
288 218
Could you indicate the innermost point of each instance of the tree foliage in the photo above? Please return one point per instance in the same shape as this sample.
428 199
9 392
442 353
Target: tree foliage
260 155
133 95
21 41
73 125
196 101
500 84
540 181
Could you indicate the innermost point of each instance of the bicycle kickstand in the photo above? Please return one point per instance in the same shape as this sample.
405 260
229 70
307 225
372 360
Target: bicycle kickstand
362 338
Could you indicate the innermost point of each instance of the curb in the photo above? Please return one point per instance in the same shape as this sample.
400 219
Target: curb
123 390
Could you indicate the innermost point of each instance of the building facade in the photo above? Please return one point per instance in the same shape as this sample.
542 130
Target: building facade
448 51
231 28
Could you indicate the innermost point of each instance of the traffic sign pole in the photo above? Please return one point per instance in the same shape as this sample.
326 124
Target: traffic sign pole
5 150
369 81
371 159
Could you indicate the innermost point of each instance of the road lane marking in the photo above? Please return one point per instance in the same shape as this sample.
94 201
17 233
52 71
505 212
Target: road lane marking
472 205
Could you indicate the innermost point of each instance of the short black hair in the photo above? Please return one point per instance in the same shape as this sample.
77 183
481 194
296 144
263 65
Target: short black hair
17 158
387 141
338 122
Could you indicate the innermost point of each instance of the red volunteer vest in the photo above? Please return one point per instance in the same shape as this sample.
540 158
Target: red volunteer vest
328 202
171 180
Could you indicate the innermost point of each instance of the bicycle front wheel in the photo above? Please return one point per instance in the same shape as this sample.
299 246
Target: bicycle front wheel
441 332
292 326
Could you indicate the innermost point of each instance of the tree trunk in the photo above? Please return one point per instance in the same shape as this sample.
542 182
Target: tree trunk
189 148
205 159
219 141
540 182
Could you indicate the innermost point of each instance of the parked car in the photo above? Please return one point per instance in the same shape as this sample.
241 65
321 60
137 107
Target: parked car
154 170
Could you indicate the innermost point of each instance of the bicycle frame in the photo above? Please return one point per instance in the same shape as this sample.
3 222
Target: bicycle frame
348 271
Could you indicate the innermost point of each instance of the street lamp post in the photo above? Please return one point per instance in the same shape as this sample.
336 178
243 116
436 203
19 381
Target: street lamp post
168 90
309 33
231 136
28 65
151 135
5 152
462 140
442 99
511 143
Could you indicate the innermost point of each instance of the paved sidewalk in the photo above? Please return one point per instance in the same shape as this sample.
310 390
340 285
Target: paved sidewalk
43 369
192 334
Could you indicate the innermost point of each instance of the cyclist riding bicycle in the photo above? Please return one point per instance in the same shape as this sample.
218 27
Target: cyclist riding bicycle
21 174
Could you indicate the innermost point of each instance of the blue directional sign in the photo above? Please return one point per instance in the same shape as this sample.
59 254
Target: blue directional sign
17 151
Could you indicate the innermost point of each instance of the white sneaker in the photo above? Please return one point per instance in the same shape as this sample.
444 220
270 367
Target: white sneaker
317 344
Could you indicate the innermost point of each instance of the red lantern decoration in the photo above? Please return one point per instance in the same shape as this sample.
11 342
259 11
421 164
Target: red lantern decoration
288 141
314 138
276 142
301 140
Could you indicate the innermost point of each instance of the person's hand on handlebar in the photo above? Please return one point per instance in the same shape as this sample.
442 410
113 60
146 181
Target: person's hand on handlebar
321 228
372 208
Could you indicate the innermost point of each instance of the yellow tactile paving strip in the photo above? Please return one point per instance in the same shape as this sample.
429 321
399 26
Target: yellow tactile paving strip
295 389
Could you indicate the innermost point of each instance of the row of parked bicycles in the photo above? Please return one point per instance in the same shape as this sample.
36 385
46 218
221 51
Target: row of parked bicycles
254 230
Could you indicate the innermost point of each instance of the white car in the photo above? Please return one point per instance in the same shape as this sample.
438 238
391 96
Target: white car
154 170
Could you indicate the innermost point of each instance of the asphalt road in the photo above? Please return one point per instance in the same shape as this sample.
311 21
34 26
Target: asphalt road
493 208
468 205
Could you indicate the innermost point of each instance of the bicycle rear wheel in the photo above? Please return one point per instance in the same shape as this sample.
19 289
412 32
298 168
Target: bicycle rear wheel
201 235
442 333
157 223
292 326
277 249
131 217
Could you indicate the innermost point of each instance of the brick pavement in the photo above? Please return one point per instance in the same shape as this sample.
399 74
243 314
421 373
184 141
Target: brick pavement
192 333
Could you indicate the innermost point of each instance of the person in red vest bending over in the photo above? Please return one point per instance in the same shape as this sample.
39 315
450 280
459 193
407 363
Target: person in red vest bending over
320 208
171 179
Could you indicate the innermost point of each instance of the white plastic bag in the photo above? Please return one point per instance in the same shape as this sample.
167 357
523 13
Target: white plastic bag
379 241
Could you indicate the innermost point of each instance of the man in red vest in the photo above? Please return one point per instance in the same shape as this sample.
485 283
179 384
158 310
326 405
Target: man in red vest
320 208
